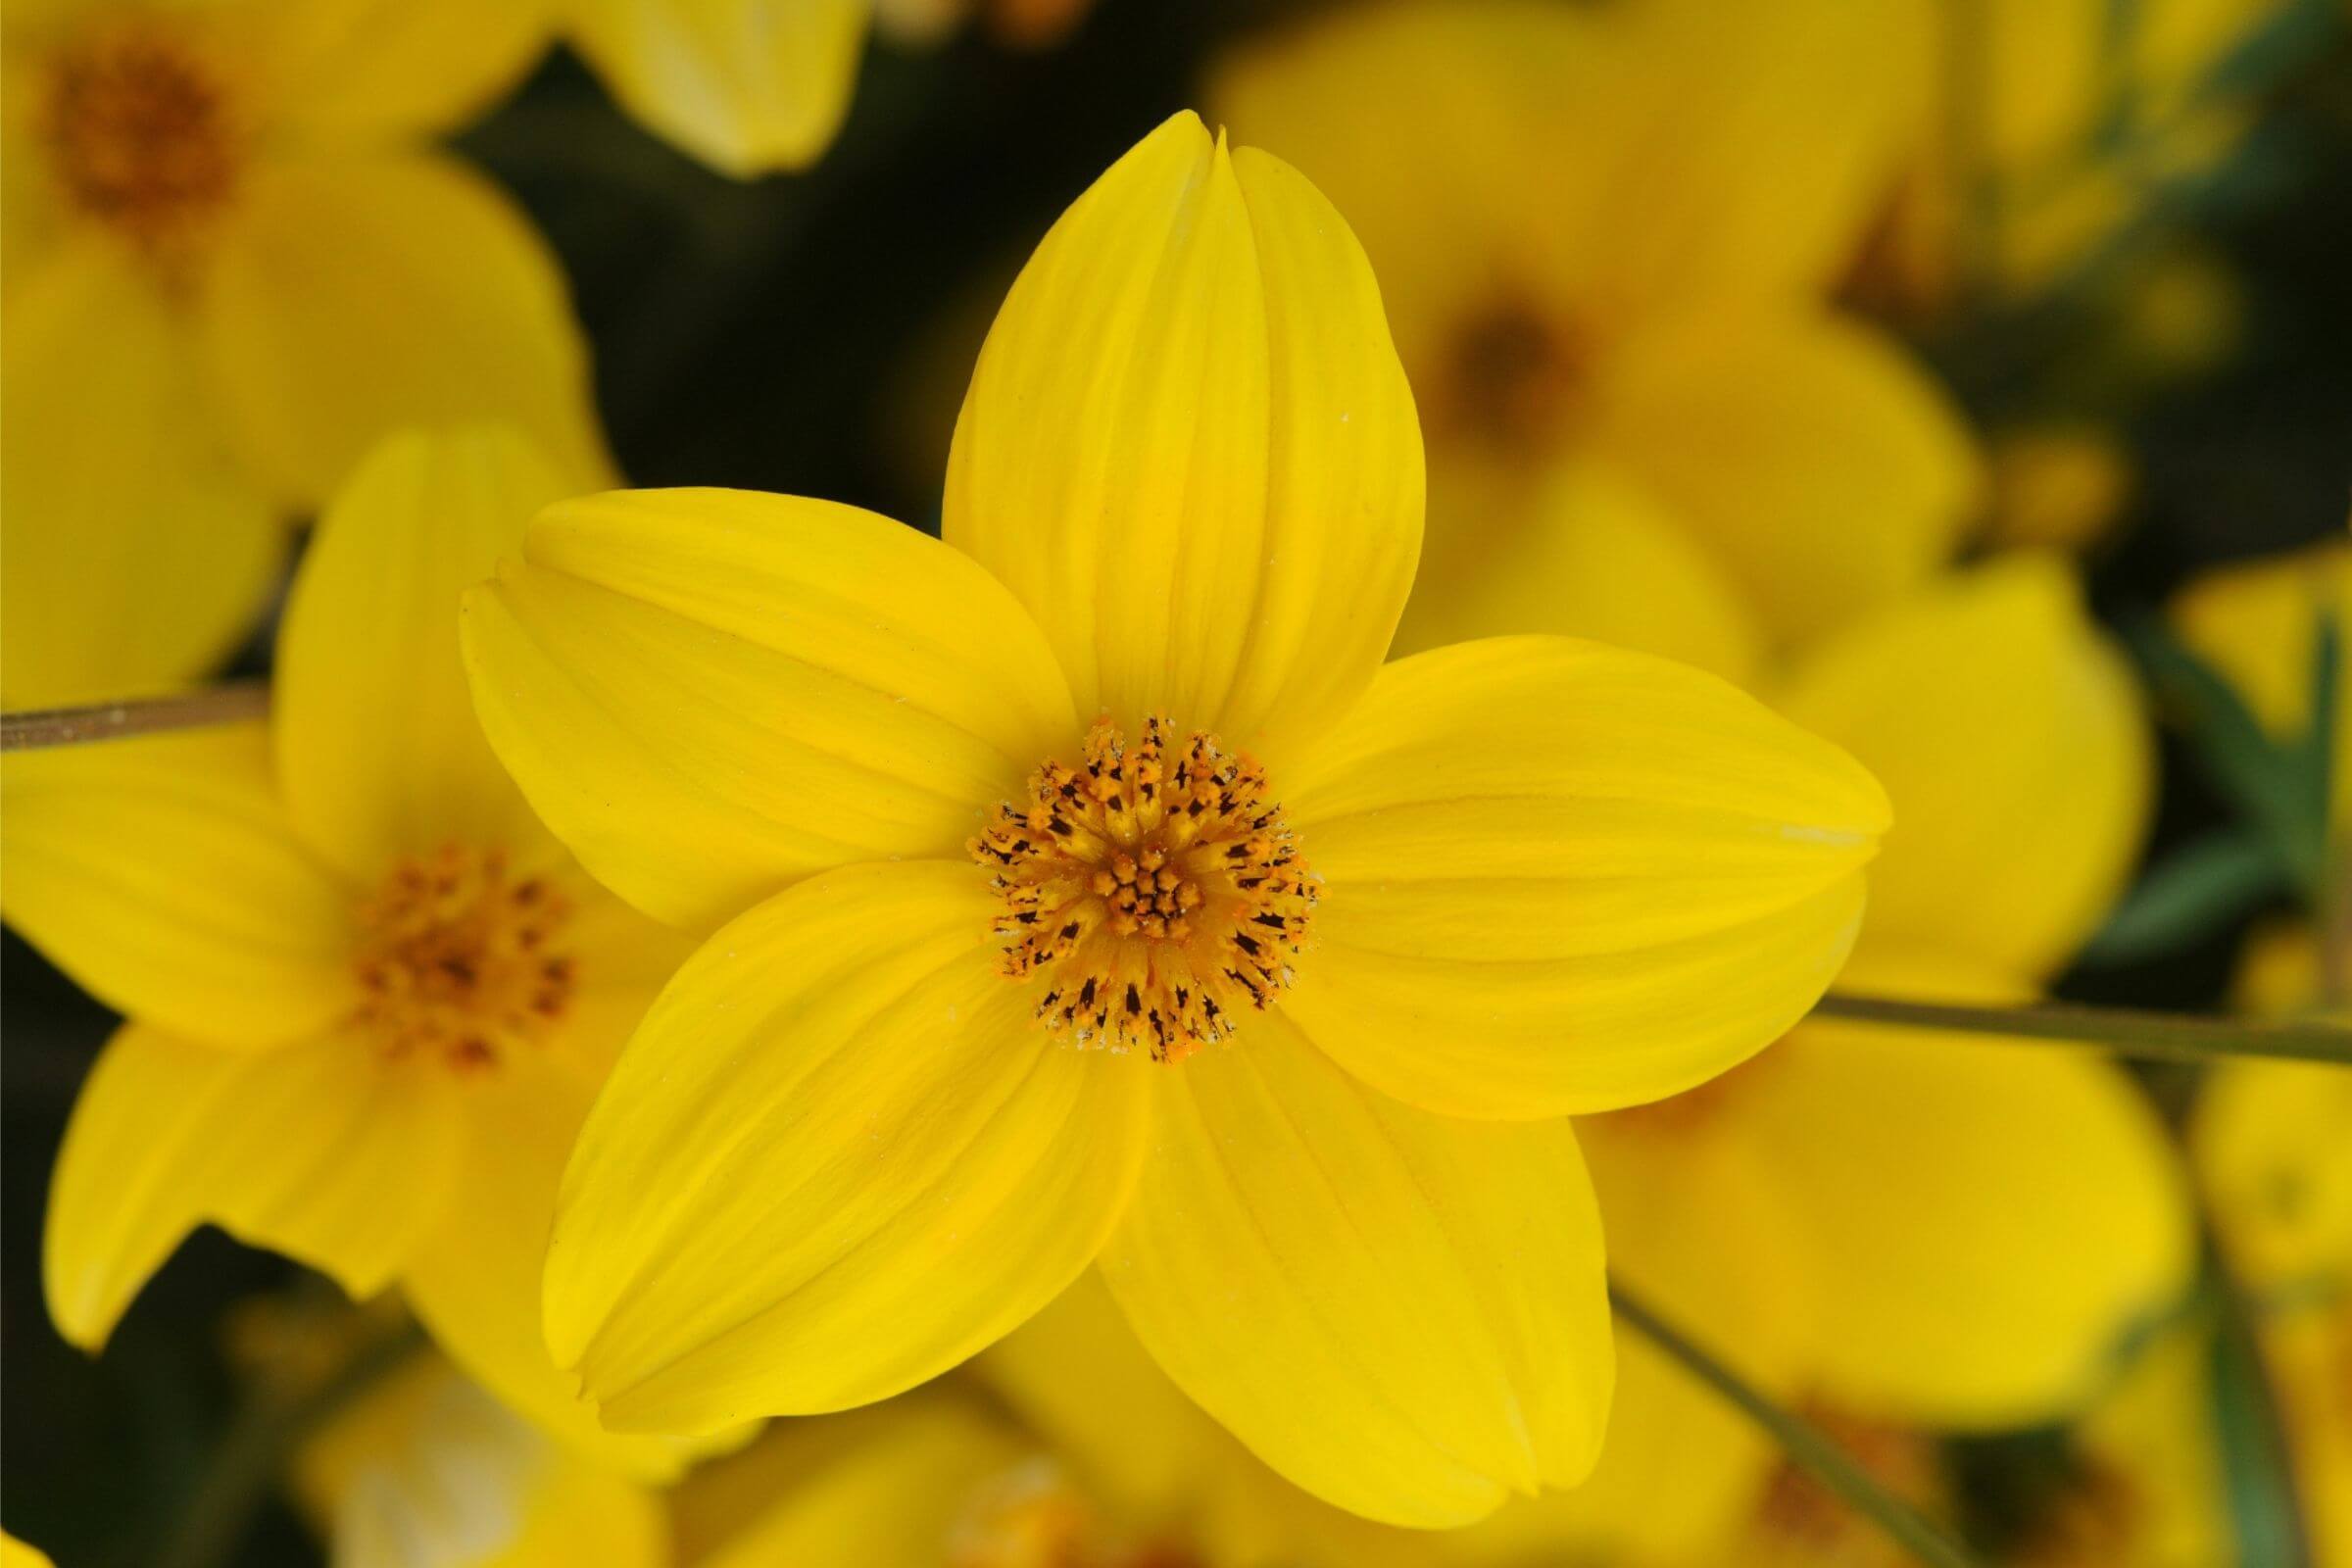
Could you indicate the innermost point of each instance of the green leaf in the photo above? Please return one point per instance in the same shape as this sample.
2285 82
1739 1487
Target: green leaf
2188 897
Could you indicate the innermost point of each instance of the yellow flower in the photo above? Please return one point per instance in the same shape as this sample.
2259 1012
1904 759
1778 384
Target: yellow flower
426 1470
368 997
233 263
15 1554
1606 234
1434 905
2258 625
1907 1229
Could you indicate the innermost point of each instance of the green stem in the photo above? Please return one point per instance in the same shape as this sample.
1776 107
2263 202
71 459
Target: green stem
2175 1037
1805 1445
252 1455
112 721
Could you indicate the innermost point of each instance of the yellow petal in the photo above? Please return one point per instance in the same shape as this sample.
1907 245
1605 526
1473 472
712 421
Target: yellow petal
391 68
1189 450
1837 475
473 1278
1558 877
1990 1218
709 693
161 874
889 1491
323 1150
15 1554
839 1158
2273 1142
2010 734
359 293
1403 1315
377 745
748 86
1578 551
137 555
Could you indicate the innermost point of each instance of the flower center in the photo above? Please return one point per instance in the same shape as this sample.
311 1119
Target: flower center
1516 375
1155 888
139 125
1800 1520
456 959
1031 1516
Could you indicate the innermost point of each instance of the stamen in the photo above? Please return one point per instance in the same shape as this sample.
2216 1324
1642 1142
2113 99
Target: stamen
459 960
1155 890
140 131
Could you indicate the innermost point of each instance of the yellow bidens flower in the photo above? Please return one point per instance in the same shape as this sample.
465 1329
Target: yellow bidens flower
370 997
1608 236
232 268
1278 967
427 1468
1909 1232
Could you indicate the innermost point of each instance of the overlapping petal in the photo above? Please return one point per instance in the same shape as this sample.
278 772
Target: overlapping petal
379 752
1991 1218
1401 1314
2013 740
1837 475
747 86
1559 877
358 293
839 1158
137 556
707 693
161 872
377 70
1189 450
326 1151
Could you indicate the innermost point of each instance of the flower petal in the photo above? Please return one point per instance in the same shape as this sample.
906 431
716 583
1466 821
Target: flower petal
322 1151
473 1278
1404 1316
839 1158
1577 552
396 68
748 86
1189 450
2012 738
709 693
161 874
1990 1218
359 293
379 749
1558 877
137 555
1836 476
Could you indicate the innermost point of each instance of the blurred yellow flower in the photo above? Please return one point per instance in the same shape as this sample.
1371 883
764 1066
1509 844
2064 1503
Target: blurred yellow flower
1606 235
15 1554
370 997
1910 1230
2057 486
2258 625
426 1470
846 1149
233 263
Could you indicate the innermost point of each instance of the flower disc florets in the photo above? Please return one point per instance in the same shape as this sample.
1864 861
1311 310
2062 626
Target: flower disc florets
142 132
1157 889
457 958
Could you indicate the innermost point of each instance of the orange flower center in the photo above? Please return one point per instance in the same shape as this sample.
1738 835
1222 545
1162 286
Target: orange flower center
1032 1517
459 960
140 128
1157 889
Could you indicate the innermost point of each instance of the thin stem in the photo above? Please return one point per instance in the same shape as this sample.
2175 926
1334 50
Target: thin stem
1806 1445
2171 1035
109 722
252 1455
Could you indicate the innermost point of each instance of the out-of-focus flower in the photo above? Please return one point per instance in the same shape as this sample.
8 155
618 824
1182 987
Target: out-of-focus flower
1605 235
15 1554
859 1140
369 996
233 262
2258 624
2045 129
2057 486
753 86
1904 1230
427 1470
